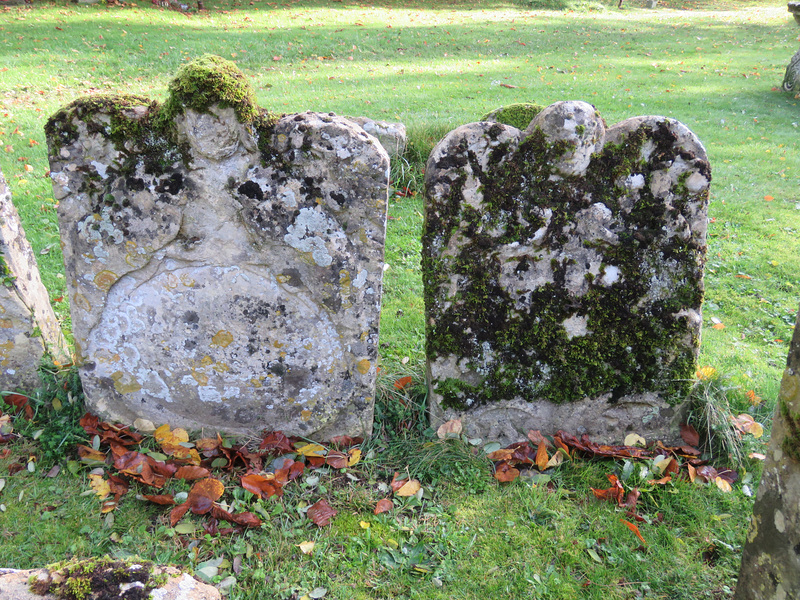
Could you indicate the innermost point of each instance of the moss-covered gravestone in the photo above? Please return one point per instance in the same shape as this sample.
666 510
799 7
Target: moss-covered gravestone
224 265
563 272
771 558
28 326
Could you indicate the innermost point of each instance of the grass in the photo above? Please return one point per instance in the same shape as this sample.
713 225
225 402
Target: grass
711 65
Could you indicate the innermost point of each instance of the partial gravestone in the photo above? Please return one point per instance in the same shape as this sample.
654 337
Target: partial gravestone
104 578
224 265
517 115
563 274
771 558
392 136
791 78
28 326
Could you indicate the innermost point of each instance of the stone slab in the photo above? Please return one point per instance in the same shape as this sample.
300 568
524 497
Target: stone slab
28 326
563 273
231 281
770 566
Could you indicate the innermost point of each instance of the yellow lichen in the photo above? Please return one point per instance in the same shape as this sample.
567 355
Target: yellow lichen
222 338
363 366
125 383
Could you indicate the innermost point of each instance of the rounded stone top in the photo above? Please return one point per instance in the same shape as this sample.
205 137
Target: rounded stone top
577 123
207 81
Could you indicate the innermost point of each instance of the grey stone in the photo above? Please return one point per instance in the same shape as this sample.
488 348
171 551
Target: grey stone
28 326
770 568
563 273
234 286
15 584
392 136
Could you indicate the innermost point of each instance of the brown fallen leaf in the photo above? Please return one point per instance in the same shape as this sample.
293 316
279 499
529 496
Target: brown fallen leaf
634 529
383 505
450 429
505 473
203 495
321 513
190 473
689 435
541 456
409 488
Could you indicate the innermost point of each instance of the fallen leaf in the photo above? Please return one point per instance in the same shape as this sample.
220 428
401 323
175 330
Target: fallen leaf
190 473
311 450
541 456
99 485
634 439
276 442
163 499
353 457
757 456
306 547
409 488
746 424
505 473
634 529
723 484
321 513
450 429
262 486
203 494
403 382
383 505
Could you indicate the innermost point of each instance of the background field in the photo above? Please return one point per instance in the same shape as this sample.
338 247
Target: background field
715 66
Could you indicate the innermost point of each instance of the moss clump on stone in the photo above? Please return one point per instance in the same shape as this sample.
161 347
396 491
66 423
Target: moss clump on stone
516 115
207 81
99 579
791 442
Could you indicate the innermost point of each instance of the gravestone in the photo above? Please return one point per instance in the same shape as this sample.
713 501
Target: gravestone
771 558
563 274
791 78
392 136
28 326
224 265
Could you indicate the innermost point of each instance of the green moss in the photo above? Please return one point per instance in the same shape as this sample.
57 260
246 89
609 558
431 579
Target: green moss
517 115
526 353
207 81
791 442
99 579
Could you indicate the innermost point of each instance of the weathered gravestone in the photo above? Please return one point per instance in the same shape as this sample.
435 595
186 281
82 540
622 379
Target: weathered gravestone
224 266
563 273
771 558
791 78
28 326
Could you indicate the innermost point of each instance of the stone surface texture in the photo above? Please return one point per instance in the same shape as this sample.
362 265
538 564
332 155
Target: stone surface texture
223 273
14 585
28 326
770 567
392 136
563 273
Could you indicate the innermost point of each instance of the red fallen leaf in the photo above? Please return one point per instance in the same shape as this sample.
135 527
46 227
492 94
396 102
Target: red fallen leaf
190 473
689 435
728 475
274 442
246 519
117 485
315 461
505 473
706 473
403 382
336 459
203 495
634 529
689 451
5 453
90 422
673 467
261 486
396 483
208 447
321 513
296 470
614 493
536 437
15 468
163 499
176 514
135 464
523 454
164 469
345 441
632 498
383 505
560 443
20 404
663 481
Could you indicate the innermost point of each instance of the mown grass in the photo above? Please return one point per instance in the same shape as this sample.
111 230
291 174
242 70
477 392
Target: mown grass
711 65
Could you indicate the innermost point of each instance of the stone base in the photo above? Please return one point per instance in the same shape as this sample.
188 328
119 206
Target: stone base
509 421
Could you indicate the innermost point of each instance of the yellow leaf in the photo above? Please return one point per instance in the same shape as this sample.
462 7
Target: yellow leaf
365 524
311 450
723 484
353 457
409 488
306 547
542 459
718 326
556 459
100 486
706 373
634 439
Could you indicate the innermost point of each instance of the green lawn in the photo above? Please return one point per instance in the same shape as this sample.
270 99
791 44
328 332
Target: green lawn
715 66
